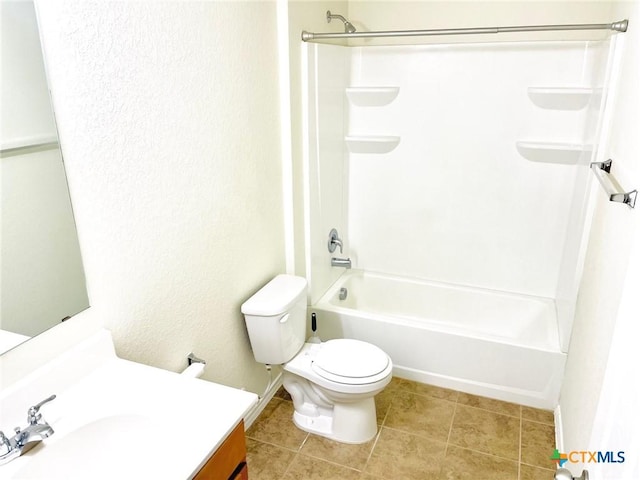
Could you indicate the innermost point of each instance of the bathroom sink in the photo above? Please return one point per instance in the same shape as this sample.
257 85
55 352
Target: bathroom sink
113 418
122 440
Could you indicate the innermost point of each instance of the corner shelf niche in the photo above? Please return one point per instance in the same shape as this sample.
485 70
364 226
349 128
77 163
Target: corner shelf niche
371 143
372 96
562 98
552 152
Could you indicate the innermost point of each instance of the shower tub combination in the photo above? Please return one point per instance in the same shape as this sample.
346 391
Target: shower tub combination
414 153
485 342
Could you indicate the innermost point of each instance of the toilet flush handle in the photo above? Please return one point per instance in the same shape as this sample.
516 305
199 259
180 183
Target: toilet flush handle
284 318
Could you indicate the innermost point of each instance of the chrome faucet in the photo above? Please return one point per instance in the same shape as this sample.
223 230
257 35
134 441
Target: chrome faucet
341 262
334 241
25 440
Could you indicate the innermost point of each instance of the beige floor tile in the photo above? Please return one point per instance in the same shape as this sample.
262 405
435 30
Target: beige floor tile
538 441
486 432
353 456
267 462
462 464
307 468
383 402
400 455
537 415
275 425
395 383
491 404
420 415
527 472
428 390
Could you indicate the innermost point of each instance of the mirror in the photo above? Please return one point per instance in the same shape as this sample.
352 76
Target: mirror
42 279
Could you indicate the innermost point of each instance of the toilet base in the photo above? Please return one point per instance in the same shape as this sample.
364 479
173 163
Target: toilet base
349 423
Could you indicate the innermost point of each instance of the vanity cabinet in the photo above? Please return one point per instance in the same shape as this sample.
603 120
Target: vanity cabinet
229 462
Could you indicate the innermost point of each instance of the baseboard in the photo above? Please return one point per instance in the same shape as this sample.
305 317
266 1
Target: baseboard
262 402
557 419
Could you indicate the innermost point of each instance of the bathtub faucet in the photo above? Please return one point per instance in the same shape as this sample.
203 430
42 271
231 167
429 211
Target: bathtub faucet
341 262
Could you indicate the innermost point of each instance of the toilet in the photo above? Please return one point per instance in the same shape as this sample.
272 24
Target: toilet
332 383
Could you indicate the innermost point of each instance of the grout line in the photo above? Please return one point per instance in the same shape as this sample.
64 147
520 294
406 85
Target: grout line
493 411
538 466
446 447
393 397
538 422
332 462
498 457
375 443
288 449
289 466
303 442
414 434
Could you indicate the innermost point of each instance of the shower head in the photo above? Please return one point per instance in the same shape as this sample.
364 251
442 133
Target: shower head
348 27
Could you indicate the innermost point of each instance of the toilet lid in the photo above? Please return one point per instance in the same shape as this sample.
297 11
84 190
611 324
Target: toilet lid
350 361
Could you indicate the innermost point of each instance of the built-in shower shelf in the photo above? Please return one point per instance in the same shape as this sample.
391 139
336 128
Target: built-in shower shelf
550 152
371 143
562 98
372 96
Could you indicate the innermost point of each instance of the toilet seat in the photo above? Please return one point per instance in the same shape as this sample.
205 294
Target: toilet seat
351 362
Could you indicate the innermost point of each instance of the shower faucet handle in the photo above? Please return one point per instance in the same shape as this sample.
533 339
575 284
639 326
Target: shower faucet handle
334 241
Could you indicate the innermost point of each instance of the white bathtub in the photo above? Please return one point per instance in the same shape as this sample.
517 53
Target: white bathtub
485 342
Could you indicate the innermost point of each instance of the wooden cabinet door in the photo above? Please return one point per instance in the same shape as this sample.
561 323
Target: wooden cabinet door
226 460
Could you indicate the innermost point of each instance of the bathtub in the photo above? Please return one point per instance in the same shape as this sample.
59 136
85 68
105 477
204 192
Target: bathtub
490 343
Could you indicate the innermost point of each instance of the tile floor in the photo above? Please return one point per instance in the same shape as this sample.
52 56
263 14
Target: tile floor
425 433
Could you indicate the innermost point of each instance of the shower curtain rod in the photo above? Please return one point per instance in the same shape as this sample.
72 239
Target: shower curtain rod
620 26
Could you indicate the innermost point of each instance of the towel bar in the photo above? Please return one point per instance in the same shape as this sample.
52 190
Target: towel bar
616 193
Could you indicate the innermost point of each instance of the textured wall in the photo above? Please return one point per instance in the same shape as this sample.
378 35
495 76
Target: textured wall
168 117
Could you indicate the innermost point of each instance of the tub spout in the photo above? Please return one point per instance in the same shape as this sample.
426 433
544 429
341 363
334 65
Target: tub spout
341 262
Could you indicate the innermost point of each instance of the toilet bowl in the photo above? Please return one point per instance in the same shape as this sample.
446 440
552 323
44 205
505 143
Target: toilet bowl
332 383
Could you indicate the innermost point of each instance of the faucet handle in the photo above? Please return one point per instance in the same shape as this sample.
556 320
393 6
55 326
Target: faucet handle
32 416
5 445
334 241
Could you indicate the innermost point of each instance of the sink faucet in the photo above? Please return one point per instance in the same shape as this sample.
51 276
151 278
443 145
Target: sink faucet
24 440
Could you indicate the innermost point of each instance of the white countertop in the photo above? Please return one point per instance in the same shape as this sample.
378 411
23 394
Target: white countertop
118 419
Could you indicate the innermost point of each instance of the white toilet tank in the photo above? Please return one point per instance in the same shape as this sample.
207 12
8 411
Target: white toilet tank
275 316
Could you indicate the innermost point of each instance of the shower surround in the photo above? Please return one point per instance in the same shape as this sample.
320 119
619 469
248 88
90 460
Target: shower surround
459 168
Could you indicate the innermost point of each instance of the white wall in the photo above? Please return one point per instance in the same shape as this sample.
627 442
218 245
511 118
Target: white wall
602 308
168 116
